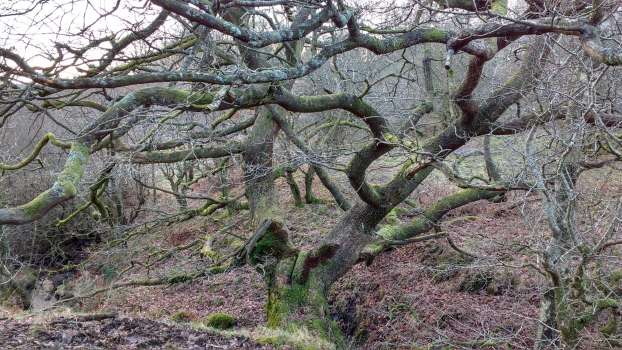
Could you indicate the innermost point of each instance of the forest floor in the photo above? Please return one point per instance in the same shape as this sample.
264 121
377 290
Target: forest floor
475 291
113 333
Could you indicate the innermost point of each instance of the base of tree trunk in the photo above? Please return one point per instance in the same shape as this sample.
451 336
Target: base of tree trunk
297 299
303 307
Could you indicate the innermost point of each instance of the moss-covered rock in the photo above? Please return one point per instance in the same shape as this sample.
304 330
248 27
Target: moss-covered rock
220 320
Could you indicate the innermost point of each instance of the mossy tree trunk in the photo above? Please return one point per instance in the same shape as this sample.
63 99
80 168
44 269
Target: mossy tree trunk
391 235
310 198
296 300
297 292
298 305
299 281
293 186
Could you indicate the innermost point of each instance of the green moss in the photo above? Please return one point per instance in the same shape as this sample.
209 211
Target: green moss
392 217
282 301
389 232
66 182
361 108
299 339
268 246
299 266
217 269
285 305
209 209
372 250
220 320
606 303
208 252
391 138
74 167
37 205
435 35
273 244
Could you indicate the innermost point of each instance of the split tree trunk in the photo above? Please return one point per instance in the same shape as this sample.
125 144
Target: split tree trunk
299 281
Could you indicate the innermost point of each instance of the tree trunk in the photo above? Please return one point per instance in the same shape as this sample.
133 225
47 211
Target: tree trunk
293 186
558 309
302 307
299 281
548 334
297 296
310 198
259 182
